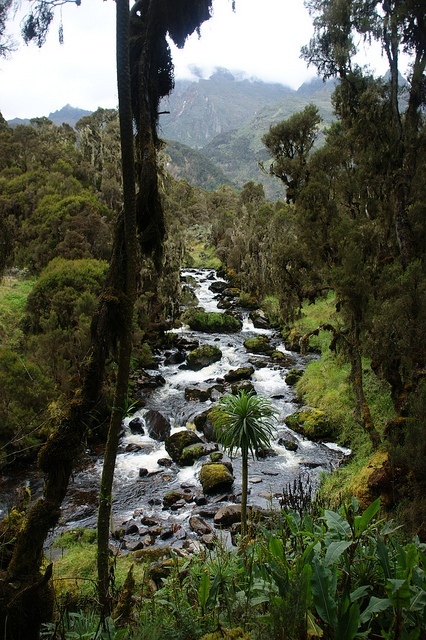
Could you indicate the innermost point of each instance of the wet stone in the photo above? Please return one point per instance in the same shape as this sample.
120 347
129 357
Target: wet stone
143 472
135 426
132 529
164 462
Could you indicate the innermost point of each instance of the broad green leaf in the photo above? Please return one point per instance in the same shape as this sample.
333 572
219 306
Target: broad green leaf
398 592
347 626
360 592
383 555
376 605
323 592
204 589
276 548
335 550
337 524
362 522
418 602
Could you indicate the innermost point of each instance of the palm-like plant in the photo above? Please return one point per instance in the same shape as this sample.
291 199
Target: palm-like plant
244 421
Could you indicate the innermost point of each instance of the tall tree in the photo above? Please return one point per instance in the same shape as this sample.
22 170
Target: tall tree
151 73
398 25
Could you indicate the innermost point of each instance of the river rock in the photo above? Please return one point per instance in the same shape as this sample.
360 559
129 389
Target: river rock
214 322
172 497
204 425
311 423
158 426
242 373
203 356
177 442
218 286
176 357
147 381
259 319
243 385
197 394
228 515
195 451
215 477
259 344
293 376
135 426
199 526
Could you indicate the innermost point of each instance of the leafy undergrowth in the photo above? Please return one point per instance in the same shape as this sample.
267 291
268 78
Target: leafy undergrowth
318 573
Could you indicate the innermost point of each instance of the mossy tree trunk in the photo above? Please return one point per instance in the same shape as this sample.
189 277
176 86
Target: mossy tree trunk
130 262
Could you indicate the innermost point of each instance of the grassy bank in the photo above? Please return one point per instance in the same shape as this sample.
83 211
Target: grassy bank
326 386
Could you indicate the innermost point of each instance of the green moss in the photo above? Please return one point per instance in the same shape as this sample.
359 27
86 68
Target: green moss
215 477
260 344
310 422
203 356
213 322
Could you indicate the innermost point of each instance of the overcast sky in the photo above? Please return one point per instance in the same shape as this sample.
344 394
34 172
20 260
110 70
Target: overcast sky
261 39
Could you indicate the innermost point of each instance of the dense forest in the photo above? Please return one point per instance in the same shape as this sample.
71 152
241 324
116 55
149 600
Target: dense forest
338 267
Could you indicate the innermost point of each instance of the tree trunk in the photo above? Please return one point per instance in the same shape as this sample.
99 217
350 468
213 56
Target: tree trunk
362 410
244 492
129 247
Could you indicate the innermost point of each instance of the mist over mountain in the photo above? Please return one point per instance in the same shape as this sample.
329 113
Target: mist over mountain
224 119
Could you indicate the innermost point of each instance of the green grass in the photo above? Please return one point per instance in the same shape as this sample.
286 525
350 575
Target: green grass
13 297
326 386
75 572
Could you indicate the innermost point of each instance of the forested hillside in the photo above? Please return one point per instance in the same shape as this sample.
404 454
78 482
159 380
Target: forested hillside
336 266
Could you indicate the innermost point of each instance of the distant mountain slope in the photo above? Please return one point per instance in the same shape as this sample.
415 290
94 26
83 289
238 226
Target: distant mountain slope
201 110
191 165
68 114
231 116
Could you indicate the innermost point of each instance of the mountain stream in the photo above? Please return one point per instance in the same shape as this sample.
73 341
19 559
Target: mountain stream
145 473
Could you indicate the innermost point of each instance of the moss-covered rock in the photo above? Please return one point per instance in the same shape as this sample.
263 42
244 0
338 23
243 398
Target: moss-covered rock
203 356
373 480
311 423
192 453
214 322
259 344
293 376
176 443
242 373
215 477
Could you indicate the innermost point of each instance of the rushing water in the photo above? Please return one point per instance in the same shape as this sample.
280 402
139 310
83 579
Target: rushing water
139 494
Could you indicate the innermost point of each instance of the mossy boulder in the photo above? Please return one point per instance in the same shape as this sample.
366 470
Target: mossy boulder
192 453
176 443
373 480
259 344
311 423
293 376
203 356
242 373
214 322
215 477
